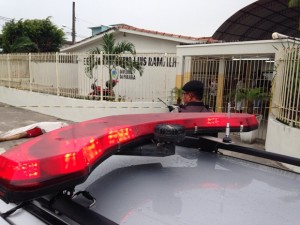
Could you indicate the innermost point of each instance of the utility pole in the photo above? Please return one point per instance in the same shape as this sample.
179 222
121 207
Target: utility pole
73 24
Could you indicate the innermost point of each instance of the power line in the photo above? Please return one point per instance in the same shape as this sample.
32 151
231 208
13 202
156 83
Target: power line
85 21
70 32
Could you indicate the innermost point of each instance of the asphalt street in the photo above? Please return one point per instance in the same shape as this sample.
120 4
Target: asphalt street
13 117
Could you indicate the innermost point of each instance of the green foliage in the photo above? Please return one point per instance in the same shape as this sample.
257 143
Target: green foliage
31 36
251 94
23 45
294 3
112 58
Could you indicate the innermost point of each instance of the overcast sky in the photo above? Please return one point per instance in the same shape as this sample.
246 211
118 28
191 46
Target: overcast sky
196 18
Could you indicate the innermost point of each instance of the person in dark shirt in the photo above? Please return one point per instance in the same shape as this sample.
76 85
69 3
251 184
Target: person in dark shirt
193 97
193 102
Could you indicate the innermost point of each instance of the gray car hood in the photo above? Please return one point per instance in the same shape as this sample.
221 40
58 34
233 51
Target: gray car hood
192 188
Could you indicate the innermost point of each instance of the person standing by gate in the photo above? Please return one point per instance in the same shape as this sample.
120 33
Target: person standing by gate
213 93
239 100
193 97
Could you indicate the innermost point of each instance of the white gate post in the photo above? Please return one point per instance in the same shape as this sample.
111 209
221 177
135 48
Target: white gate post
101 75
30 72
8 70
57 74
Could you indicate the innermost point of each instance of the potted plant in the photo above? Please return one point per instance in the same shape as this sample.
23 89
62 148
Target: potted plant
251 96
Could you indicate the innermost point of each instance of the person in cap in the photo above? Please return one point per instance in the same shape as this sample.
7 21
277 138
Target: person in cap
193 97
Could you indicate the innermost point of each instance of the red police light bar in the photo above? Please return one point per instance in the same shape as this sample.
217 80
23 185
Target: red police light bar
65 157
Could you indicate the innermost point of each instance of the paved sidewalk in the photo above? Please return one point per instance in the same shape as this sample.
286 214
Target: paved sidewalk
12 117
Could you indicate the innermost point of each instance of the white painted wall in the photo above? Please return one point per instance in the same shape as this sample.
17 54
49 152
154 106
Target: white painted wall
49 74
157 80
76 110
232 48
149 45
284 140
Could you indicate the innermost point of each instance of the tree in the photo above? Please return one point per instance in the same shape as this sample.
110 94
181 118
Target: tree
112 57
23 44
31 36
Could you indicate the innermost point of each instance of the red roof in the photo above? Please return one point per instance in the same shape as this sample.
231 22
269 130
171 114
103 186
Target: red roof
127 27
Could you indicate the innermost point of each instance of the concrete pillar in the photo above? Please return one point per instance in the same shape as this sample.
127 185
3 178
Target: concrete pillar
220 90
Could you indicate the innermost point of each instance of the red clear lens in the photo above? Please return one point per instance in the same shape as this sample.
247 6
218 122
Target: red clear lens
74 149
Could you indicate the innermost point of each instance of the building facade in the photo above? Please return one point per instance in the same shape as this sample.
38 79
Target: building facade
145 41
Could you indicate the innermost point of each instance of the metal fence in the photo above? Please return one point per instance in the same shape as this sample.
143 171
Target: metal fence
287 91
243 82
74 75
247 84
